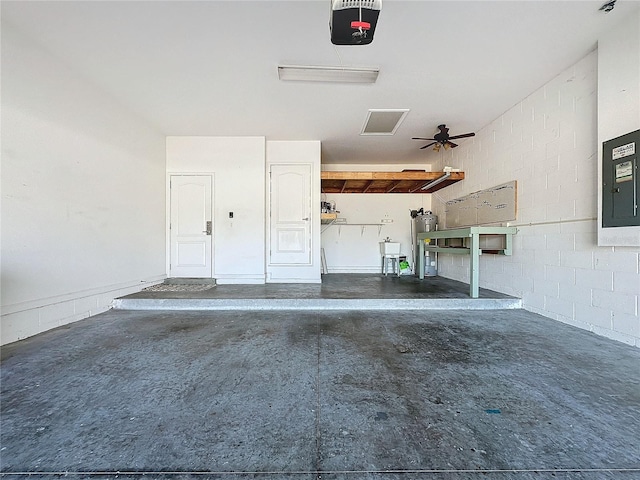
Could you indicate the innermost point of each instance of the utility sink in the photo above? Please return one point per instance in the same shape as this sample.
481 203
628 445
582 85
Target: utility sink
390 248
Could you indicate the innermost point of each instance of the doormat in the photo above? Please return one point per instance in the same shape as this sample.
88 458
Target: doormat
182 287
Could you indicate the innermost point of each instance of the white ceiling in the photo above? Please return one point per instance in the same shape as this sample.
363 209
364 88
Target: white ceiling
210 67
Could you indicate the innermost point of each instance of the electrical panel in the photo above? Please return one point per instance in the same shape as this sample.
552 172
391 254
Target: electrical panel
620 183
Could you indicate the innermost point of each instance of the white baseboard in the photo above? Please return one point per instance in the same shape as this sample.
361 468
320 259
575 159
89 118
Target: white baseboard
354 269
295 280
240 279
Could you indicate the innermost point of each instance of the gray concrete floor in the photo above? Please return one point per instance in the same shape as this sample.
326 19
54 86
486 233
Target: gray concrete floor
336 292
321 395
338 286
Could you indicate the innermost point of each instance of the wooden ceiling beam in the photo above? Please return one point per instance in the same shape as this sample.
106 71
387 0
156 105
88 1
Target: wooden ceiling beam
426 176
392 186
379 182
367 186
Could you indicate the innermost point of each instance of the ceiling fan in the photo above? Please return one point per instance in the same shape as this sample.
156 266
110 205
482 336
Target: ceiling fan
442 139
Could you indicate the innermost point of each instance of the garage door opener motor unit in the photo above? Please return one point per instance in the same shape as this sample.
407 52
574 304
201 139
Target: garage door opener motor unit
353 22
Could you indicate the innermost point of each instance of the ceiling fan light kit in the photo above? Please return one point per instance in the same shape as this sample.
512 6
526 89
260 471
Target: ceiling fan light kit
442 139
332 74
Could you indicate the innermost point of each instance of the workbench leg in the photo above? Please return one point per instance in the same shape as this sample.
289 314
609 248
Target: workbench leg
421 259
508 244
474 279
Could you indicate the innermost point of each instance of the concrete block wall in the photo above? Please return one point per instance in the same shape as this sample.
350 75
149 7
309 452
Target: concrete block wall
548 143
25 320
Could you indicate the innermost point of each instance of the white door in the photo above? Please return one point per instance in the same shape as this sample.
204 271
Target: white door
290 230
191 226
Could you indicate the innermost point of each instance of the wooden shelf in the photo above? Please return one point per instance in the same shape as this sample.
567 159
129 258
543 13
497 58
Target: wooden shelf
328 217
385 182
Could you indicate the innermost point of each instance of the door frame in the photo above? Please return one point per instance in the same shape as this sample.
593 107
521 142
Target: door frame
168 219
308 222
302 273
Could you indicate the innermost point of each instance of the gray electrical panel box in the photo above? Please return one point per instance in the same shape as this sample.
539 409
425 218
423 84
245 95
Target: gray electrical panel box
620 183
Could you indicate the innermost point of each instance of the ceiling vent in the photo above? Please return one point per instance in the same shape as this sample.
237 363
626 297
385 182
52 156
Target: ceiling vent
383 121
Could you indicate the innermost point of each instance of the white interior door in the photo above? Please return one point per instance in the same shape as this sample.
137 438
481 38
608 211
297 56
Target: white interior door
191 226
290 230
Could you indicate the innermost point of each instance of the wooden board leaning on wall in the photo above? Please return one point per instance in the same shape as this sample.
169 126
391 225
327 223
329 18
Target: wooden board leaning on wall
490 206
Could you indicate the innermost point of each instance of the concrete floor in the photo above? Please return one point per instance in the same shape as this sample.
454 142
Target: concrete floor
336 292
338 286
395 395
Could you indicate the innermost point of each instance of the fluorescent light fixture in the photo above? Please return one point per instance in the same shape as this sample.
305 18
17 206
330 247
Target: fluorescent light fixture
383 121
436 181
316 73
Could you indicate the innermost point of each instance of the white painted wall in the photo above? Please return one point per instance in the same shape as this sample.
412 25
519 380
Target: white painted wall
238 168
298 152
83 209
549 144
353 247
618 106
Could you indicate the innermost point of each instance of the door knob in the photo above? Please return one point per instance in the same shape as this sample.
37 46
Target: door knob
305 218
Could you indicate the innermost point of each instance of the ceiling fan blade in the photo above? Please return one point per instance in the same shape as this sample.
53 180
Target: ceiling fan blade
420 138
462 136
451 144
427 146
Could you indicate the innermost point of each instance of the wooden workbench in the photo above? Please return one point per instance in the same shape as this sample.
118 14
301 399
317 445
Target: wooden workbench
470 245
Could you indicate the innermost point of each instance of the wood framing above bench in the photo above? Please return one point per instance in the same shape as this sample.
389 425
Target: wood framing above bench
387 182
